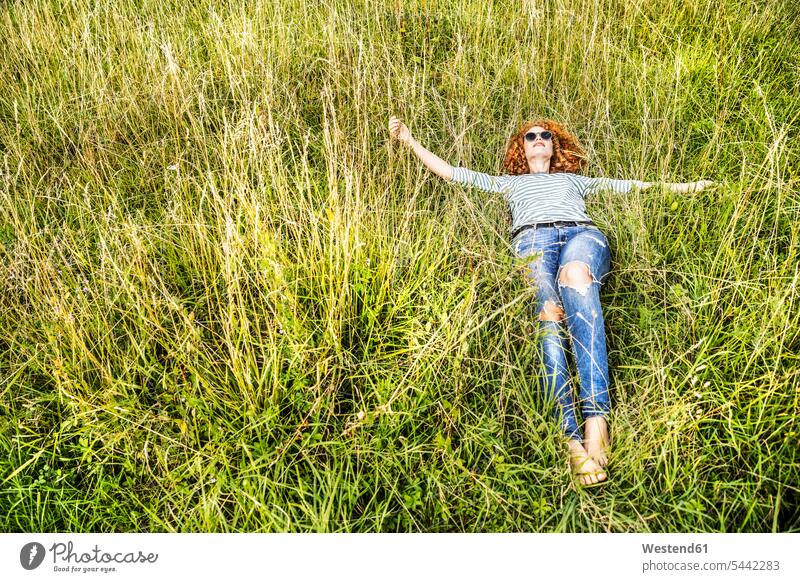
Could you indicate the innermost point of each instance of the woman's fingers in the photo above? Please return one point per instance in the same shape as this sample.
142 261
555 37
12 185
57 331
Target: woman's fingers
396 128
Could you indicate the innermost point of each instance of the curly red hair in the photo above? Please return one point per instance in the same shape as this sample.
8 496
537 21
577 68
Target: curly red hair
568 155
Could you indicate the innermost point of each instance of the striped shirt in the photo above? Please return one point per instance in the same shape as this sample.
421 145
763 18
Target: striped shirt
542 197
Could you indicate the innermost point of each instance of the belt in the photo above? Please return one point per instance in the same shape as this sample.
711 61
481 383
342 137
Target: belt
518 230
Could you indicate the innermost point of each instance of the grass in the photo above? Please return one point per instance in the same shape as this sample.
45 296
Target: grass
228 302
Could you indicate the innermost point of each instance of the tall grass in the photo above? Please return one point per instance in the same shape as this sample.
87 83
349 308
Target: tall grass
228 302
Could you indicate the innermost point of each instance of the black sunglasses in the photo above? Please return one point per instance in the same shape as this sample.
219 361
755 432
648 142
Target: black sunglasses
531 135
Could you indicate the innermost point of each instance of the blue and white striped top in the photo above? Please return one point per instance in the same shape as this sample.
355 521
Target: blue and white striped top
542 197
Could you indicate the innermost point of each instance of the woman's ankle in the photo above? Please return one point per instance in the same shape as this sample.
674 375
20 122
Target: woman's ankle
575 444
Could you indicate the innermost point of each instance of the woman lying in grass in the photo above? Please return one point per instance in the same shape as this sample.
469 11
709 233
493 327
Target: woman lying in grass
569 261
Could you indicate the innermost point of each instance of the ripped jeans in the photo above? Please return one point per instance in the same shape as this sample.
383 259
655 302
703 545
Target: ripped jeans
551 248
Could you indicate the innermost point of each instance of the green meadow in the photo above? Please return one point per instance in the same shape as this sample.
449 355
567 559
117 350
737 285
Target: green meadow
230 302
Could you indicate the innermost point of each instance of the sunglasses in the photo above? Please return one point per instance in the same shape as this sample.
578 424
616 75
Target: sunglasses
531 135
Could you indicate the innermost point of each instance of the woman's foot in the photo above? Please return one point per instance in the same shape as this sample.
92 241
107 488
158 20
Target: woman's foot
586 470
596 440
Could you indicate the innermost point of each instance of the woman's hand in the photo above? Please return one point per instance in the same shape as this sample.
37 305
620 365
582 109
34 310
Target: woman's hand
399 131
706 183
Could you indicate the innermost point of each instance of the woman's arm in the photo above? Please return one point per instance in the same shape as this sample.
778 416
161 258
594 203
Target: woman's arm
434 163
589 185
459 175
685 187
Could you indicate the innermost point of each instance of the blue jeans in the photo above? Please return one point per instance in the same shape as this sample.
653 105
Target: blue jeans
550 249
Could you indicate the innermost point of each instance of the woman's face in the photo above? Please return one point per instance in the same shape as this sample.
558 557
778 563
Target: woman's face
540 148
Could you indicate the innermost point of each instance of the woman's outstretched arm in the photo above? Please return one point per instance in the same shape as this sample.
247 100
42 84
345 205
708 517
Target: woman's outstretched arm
434 163
455 175
623 186
683 187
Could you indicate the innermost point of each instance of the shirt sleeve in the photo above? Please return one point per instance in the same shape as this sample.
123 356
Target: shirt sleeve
590 185
485 182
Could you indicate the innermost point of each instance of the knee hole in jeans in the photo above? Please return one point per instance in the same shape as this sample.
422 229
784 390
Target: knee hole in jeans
551 311
576 274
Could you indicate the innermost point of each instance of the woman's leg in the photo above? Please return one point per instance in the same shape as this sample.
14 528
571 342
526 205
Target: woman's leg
553 345
543 247
584 263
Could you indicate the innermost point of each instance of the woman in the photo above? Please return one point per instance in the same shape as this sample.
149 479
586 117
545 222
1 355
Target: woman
570 260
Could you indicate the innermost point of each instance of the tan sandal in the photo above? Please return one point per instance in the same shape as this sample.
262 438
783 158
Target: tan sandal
576 474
